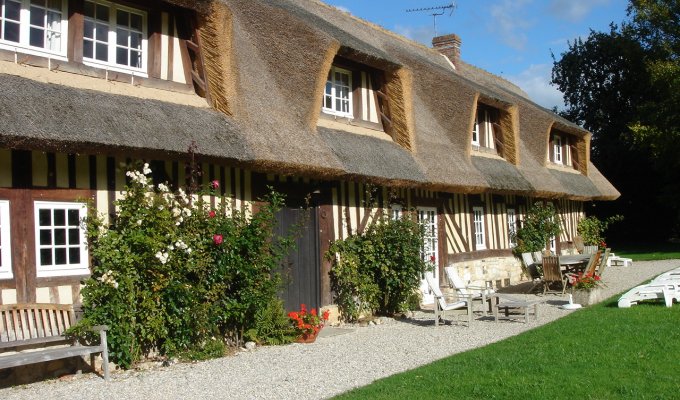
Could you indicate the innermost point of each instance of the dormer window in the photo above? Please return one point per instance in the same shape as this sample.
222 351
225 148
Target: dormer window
114 35
563 149
338 93
486 132
38 26
355 94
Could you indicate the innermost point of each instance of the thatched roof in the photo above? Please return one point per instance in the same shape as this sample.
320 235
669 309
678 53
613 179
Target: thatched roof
272 60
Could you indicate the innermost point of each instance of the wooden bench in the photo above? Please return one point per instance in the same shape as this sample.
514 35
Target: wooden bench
33 330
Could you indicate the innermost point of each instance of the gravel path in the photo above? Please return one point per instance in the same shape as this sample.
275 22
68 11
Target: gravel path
328 367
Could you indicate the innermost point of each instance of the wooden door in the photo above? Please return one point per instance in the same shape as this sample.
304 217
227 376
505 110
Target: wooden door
300 269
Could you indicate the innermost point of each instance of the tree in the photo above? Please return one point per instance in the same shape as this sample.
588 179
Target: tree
623 86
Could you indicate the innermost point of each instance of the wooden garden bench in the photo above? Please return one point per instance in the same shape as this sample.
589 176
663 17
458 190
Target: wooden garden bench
32 333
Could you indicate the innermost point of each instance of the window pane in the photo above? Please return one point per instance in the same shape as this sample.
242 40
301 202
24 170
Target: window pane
89 9
135 40
122 18
102 52
59 217
136 59
38 3
73 218
102 32
74 255
87 49
121 37
12 9
11 31
136 22
329 102
54 4
37 16
45 217
45 237
329 88
122 56
89 29
60 237
73 236
60 256
102 13
46 257
37 37
54 20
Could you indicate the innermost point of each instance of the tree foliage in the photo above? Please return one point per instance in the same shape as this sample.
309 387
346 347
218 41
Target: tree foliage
537 228
624 87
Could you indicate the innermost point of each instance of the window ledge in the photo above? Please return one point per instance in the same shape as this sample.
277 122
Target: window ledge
563 168
486 152
351 126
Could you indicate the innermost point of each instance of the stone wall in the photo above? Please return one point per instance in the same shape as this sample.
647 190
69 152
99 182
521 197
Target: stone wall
491 271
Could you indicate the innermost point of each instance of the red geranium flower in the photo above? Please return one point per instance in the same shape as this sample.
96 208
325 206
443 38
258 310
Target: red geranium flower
212 214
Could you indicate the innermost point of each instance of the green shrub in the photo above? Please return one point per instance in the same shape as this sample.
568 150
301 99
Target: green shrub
591 229
171 273
540 224
377 270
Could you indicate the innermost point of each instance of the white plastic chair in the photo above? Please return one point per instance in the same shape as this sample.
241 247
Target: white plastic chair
474 293
441 307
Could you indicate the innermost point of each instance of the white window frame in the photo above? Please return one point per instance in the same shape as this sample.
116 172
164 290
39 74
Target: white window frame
475 130
333 95
112 43
24 46
395 211
557 149
478 219
512 227
81 268
5 242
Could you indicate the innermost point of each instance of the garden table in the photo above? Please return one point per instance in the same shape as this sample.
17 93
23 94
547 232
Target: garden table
522 305
574 263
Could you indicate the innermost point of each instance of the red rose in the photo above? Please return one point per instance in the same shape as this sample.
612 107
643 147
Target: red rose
218 239
212 214
215 184
433 259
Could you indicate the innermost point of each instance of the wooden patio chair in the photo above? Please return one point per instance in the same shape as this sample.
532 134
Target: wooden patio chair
553 274
531 270
593 264
589 249
538 256
441 307
578 244
603 261
474 293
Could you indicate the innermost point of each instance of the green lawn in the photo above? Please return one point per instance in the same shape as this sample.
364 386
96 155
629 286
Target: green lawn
648 252
601 352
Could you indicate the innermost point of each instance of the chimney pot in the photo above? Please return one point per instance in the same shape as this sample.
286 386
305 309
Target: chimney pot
448 45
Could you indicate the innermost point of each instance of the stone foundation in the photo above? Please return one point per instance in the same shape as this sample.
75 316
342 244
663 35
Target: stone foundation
496 272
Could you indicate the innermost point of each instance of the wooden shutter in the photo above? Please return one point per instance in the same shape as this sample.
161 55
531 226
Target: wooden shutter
498 137
190 45
573 152
382 103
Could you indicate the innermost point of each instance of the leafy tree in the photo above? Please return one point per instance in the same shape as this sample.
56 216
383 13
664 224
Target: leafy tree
540 224
624 87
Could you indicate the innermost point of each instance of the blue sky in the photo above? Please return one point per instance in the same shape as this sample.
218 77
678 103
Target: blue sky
510 38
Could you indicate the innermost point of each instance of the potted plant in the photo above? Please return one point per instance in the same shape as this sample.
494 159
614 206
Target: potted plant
307 324
586 289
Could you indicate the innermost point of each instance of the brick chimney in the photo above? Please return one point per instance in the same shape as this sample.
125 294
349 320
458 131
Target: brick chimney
448 45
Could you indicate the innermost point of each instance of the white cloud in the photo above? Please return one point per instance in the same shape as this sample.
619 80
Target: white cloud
508 21
535 80
573 10
422 34
344 9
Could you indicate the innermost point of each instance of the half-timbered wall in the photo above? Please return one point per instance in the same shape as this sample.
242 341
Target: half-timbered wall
27 176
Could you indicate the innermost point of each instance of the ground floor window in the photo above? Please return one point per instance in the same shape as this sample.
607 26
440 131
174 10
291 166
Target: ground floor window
512 227
5 251
60 239
478 218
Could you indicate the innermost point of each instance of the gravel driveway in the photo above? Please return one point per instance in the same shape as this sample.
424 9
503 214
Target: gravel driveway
332 365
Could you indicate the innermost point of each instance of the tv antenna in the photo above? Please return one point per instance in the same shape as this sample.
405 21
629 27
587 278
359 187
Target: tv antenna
436 11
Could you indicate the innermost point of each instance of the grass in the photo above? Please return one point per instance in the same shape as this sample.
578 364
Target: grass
601 352
649 252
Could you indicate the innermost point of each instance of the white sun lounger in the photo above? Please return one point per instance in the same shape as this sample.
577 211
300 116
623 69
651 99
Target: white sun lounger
672 275
666 290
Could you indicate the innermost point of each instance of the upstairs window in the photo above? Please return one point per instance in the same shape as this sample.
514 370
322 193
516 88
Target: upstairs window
486 134
563 149
338 93
5 251
114 35
38 26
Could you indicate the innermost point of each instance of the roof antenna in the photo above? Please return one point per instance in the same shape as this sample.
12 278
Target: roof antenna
436 11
